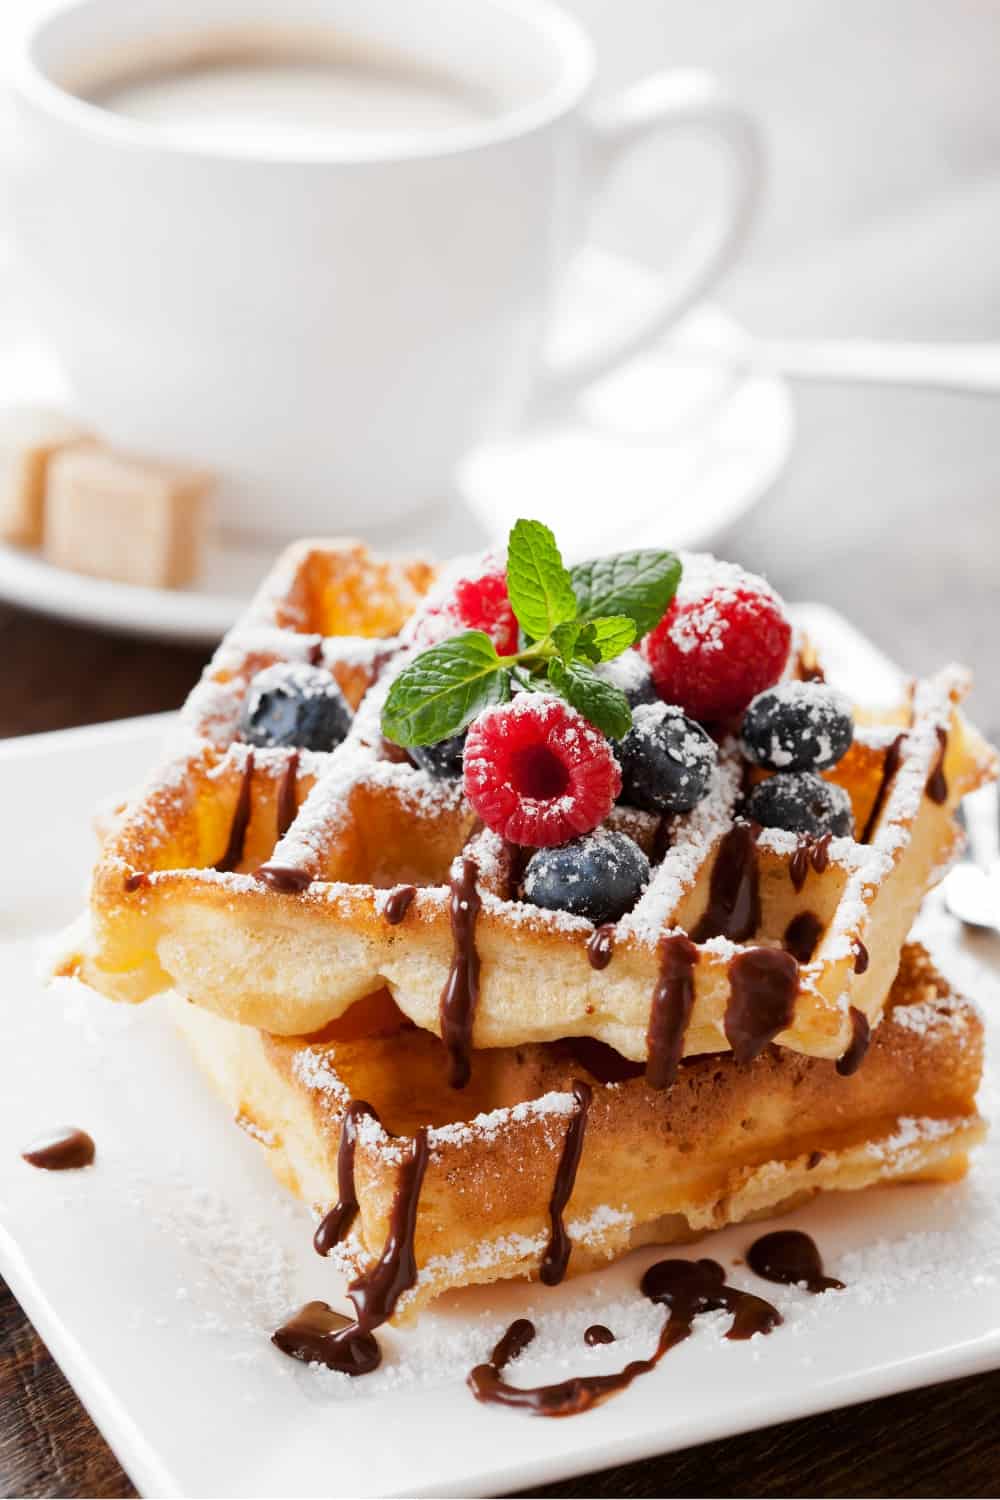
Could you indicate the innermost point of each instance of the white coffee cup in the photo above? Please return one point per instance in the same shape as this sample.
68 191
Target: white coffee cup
332 329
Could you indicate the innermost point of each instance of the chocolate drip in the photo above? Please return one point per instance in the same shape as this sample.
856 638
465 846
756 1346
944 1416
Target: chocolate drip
809 851
137 881
376 1293
670 1011
316 653
890 766
397 904
601 946
61 1151
288 879
733 909
764 983
287 803
802 934
937 784
337 1222
319 1336
516 857
601 1061
860 957
860 1038
241 819
598 1334
461 990
791 1258
813 1160
557 1253
686 1287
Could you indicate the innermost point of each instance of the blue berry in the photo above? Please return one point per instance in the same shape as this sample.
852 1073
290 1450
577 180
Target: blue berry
293 704
666 759
801 802
442 759
798 726
600 876
630 673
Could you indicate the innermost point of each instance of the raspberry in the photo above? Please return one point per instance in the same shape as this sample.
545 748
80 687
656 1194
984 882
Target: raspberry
538 773
723 640
476 601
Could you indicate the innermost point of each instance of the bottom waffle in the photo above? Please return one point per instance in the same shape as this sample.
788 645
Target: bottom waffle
728 1142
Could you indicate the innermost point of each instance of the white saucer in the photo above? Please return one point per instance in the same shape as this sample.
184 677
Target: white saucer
666 449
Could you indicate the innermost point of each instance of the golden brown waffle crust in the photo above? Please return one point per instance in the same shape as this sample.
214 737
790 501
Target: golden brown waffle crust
727 1142
163 917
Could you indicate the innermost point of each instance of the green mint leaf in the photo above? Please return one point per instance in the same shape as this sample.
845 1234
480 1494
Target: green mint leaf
586 646
603 704
443 689
611 635
565 638
540 588
638 584
529 683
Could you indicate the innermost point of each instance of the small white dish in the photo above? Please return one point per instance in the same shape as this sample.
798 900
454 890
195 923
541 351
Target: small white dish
663 450
156 1276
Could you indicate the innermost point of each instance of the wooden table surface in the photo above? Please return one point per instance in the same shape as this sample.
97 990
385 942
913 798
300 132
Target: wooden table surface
882 220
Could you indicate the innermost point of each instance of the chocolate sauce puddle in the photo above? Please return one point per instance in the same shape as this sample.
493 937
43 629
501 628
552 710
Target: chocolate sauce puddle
332 1228
791 1258
763 986
61 1151
601 946
557 1252
670 1011
937 784
685 1287
858 1046
318 1335
890 766
241 820
397 904
461 990
733 909
802 935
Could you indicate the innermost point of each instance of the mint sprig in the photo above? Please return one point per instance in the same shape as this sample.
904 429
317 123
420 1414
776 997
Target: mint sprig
571 620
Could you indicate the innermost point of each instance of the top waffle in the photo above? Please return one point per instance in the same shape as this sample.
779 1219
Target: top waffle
747 936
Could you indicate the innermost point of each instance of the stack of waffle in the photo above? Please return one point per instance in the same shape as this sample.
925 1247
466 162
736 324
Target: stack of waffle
338 927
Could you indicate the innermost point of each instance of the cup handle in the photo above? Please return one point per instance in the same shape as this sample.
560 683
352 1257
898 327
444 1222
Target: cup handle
666 102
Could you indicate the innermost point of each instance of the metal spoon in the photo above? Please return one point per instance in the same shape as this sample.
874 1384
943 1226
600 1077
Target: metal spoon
972 888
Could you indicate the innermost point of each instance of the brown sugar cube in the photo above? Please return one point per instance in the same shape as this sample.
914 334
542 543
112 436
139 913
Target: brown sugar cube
118 516
29 437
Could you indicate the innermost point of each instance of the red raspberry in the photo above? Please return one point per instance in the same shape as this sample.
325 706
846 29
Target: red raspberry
537 772
723 640
476 601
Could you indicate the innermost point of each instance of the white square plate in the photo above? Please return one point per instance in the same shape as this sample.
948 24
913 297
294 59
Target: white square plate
157 1276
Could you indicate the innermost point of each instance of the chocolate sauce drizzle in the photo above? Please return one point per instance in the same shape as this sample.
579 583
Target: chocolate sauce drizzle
318 1335
802 934
890 766
287 879
791 1258
733 909
61 1151
685 1287
763 986
137 881
598 1334
809 851
557 1252
337 1222
860 957
461 990
397 904
670 1012
937 784
601 946
287 802
241 819
858 1047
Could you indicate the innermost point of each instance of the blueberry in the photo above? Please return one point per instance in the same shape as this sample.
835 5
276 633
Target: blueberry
630 673
442 759
295 705
666 760
798 726
600 876
802 802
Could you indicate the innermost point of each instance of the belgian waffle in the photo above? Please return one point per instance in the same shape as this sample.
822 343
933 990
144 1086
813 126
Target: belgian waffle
369 861
728 1142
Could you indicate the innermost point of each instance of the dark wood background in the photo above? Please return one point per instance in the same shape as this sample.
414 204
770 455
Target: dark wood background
881 221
